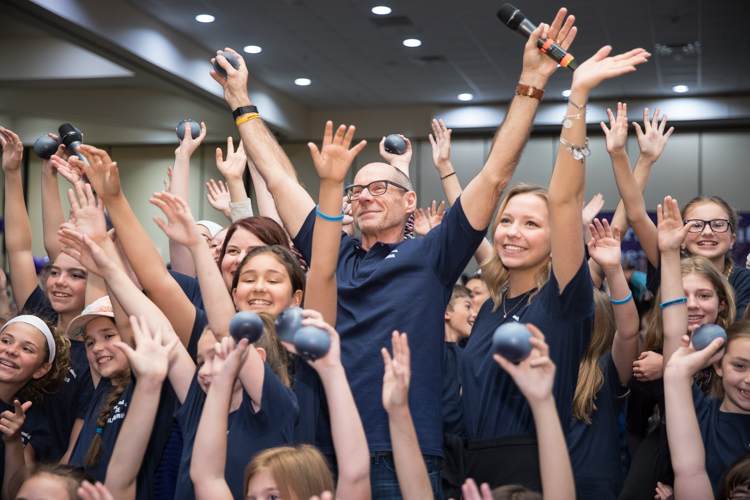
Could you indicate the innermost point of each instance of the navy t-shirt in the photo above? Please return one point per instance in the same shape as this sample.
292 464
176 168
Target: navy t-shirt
453 417
248 432
190 286
726 436
595 448
35 431
739 279
159 435
201 320
69 402
493 405
39 304
403 286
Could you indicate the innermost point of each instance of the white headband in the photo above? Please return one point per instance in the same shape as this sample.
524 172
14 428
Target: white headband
39 325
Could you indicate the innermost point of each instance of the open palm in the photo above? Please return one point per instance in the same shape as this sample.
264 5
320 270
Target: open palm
332 161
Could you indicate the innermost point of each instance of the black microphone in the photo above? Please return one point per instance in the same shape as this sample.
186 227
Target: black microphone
515 20
72 138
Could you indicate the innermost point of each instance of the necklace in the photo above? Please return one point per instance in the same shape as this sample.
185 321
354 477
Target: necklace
506 313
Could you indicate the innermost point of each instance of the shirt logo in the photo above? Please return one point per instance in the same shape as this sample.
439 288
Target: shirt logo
392 255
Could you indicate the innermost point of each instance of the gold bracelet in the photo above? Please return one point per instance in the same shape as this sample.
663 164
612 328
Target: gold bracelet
246 118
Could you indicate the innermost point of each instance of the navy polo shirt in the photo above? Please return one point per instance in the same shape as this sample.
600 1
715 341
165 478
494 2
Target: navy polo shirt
248 432
726 436
402 286
493 405
190 286
453 417
35 431
595 448
159 435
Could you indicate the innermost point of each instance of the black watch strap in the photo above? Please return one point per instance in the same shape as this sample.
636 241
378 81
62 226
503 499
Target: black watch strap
243 110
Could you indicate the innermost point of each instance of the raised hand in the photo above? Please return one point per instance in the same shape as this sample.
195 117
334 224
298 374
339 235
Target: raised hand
592 209
347 225
188 145
604 246
219 197
648 367
671 232
421 222
534 60
534 375
101 171
435 215
65 169
168 180
471 492
229 359
235 84
87 214
401 162
84 250
397 374
234 166
686 361
652 139
150 359
11 423
440 139
663 492
332 161
617 133
97 491
12 150
181 227
600 67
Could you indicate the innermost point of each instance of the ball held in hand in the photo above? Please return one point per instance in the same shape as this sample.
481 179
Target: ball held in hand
195 129
231 59
511 341
246 325
705 334
45 147
395 144
288 322
312 342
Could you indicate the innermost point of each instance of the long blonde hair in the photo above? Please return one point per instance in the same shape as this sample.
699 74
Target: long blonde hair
590 375
494 273
731 216
300 472
699 266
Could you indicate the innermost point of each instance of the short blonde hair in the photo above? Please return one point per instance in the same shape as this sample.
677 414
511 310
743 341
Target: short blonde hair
300 472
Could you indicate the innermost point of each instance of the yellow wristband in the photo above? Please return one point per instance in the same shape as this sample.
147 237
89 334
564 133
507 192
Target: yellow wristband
246 118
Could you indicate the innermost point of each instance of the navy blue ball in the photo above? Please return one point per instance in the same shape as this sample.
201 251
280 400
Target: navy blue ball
288 322
312 342
704 334
231 59
394 144
45 147
246 325
511 341
195 129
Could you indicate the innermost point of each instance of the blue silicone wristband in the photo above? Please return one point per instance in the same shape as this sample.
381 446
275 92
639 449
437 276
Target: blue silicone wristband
668 303
328 217
623 301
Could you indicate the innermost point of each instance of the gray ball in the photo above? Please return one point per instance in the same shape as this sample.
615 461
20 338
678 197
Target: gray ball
195 129
394 144
45 147
231 59
511 341
705 334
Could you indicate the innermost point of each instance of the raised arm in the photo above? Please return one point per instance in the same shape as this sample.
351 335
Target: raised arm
534 377
691 480
210 449
52 211
17 225
11 425
292 201
219 198
413 479
672 233
233 168
568 178
484 192
266 204
604 248
149 363
332 162
400 162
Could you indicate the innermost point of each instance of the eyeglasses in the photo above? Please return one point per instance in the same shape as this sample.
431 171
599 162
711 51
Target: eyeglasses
716 225
376 188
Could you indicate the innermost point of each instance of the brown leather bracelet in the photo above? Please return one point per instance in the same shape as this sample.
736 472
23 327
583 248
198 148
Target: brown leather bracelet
529 91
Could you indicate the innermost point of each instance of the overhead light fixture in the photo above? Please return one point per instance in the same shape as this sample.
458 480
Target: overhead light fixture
381 10
566 93
412 42
465 97
680 89
205 18
252 49
302 82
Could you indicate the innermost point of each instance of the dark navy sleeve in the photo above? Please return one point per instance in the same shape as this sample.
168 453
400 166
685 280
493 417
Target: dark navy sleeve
36 432
740 281
278 407
303 240
190 286
653 277
201 320
451 245
188 416
85 395
38 303
613 379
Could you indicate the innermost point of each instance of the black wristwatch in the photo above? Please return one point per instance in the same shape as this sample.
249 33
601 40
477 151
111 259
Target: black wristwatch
243 110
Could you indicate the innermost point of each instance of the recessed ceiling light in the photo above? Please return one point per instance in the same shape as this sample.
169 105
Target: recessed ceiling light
680 89
566 93
381 10
465 97
205 18
303 82
252 49
412 42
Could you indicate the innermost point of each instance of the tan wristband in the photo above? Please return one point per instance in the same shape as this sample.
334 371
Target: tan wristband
529 91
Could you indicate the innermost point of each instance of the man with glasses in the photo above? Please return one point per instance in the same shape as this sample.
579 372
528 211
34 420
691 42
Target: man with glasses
385 282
